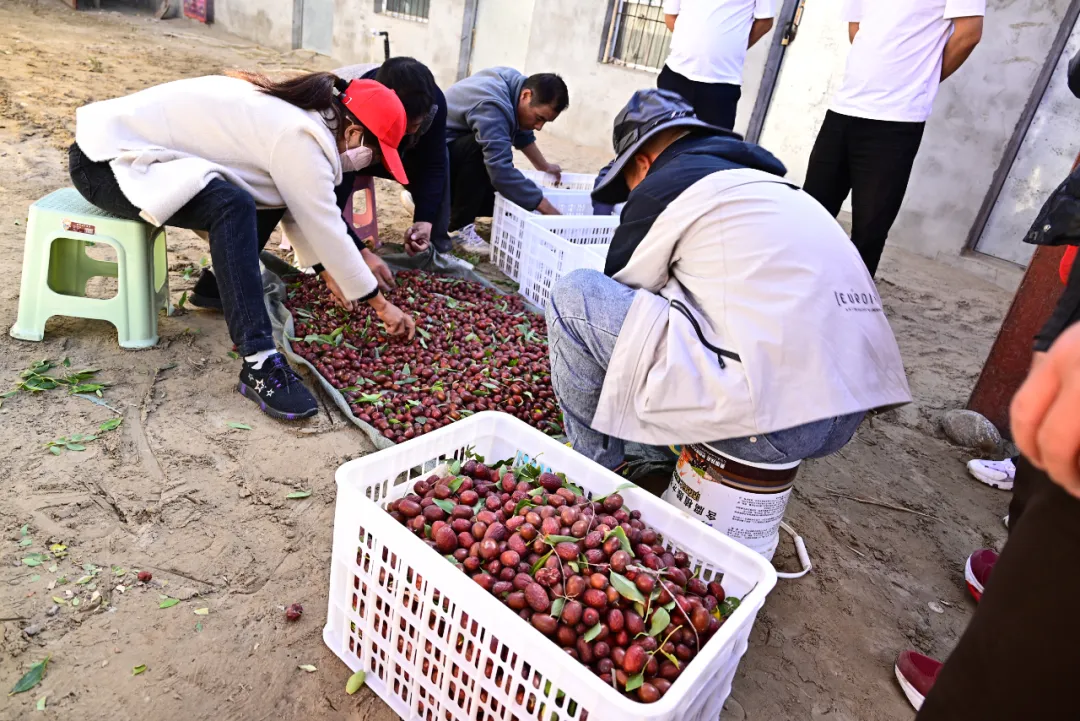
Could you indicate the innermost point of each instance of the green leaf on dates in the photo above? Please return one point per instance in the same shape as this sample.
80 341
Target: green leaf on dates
444 504
593 632
407 381
539 563
671 658
578 490
492 386
535 492
423 333
626 588
423 343
456 484
557 607
660 620
427 530
619 533
521 504
551 540
728 606
370 397
478 507
470 337
455 468
405 369
574 566
669 606
634 682
420 420
337 332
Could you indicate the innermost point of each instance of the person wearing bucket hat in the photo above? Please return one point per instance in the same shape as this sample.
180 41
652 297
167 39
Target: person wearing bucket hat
732 310
233 156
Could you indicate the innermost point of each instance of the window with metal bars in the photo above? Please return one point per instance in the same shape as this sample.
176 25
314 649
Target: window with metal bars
404 9
637 36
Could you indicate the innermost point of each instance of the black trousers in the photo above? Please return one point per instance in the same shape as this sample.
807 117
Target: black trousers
871 159
237 230
715 103
472 195
1017 658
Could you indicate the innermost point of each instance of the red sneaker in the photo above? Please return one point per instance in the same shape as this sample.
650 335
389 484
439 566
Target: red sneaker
977 570
916 674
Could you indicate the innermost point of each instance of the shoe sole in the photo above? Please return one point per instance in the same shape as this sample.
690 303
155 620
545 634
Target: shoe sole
913 696
252 396
204 302
1005 484
974 587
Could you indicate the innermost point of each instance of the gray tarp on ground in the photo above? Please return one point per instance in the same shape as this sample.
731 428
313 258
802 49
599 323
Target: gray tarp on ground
282 320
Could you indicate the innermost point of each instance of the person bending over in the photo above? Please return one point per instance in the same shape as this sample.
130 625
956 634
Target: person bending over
490 114
233 156
732 310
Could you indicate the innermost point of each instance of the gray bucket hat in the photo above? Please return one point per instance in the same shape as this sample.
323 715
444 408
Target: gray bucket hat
649 112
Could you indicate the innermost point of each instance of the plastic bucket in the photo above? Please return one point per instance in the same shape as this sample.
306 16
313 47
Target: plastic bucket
744 501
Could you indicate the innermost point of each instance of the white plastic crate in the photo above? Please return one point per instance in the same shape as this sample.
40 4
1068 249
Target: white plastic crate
568 181
437 647
508 225
554 245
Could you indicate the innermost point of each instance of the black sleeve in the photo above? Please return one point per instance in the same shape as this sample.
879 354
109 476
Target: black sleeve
426 167
1074 75
1066 314
638 216
342 192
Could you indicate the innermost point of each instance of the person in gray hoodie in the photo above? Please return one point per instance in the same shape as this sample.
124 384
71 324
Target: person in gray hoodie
488 115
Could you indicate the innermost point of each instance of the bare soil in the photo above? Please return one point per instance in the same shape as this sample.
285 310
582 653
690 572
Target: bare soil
178 492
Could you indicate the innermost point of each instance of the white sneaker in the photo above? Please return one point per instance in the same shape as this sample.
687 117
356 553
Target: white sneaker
467 240
407 202
997 474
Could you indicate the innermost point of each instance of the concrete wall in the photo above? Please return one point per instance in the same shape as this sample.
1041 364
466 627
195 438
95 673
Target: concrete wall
267 22
502 33
1045 158
566 39
436 43
974 115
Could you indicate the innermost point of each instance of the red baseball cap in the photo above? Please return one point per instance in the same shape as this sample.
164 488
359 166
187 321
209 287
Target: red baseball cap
380 110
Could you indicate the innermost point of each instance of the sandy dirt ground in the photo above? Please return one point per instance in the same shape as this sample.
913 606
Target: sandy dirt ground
178 492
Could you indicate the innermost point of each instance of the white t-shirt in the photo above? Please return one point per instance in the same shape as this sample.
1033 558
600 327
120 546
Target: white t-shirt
894 67
710 38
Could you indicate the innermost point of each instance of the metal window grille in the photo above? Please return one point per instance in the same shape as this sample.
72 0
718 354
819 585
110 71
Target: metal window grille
405 9
637 36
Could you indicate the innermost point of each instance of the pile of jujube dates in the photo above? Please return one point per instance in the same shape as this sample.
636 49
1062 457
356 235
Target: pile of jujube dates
588 574
474 350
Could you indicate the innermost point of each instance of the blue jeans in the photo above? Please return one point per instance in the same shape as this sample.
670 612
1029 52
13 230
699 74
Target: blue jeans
584 315
237 233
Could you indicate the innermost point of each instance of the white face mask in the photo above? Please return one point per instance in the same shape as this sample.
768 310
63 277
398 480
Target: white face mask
357 158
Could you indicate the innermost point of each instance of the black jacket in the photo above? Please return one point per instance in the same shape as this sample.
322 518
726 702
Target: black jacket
682 164
425 163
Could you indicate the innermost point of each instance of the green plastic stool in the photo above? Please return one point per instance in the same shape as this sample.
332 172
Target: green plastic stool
56 268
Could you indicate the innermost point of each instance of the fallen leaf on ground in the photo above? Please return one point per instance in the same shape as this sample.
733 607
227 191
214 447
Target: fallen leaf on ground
138 669
31 678
355 682
307 667
169 603
41 703
202 611
239 426
298 494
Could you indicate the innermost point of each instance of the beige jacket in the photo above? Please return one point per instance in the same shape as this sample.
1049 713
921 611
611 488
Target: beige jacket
771 279
166 143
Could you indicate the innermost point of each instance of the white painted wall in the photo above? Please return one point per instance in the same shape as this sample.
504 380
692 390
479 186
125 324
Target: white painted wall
436 43
267 22
502 33
1045 158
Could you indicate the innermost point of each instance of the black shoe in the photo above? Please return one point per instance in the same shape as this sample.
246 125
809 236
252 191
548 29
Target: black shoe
277 389
205 294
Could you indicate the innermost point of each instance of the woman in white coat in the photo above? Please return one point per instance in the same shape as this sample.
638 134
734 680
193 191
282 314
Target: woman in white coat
233 156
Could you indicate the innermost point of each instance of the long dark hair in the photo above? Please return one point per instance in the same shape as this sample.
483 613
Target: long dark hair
313 91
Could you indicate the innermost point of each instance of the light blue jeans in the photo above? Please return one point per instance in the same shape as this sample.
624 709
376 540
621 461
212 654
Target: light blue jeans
585 313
